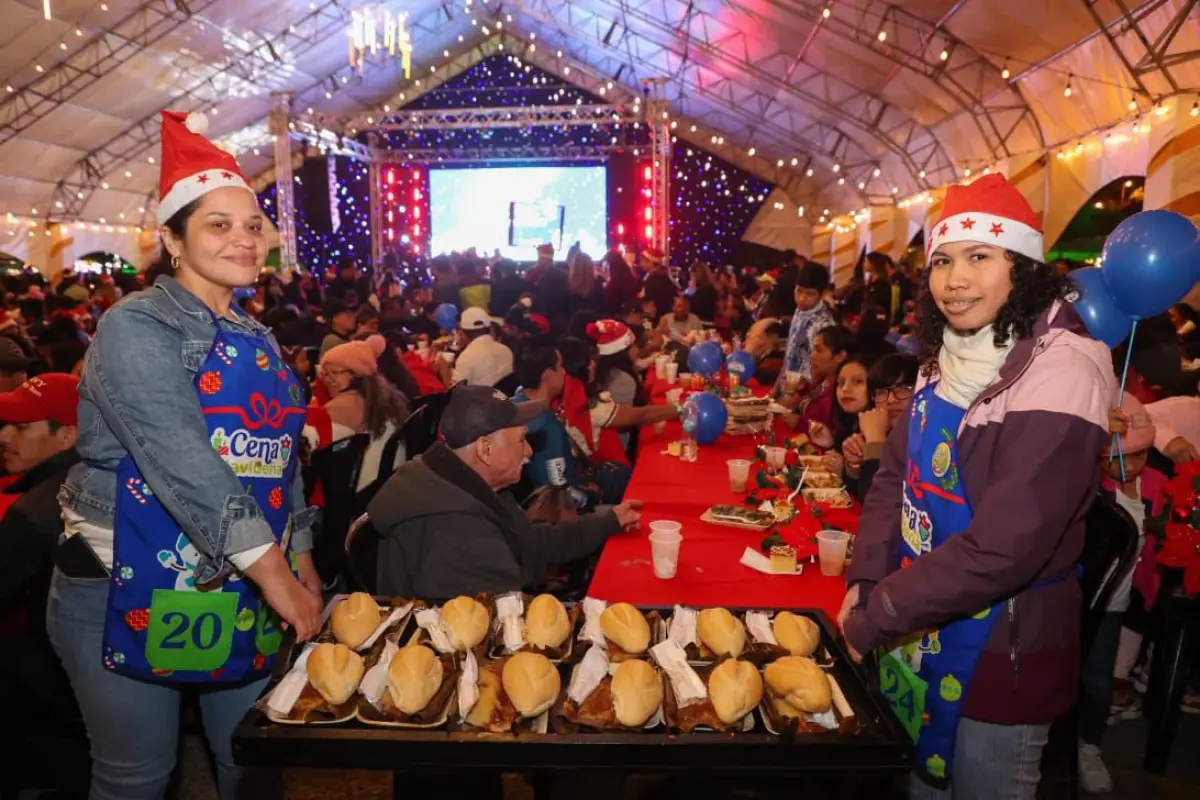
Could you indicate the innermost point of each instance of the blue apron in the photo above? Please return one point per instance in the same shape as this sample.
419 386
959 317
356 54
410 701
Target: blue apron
927 678
160 625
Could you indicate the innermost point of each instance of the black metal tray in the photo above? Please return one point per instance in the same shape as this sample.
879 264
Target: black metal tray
880 746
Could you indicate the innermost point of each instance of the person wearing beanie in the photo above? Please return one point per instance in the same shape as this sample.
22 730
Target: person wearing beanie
188 423
361 401
964 562
1105 689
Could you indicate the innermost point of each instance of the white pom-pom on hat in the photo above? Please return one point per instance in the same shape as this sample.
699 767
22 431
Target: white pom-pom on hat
197 123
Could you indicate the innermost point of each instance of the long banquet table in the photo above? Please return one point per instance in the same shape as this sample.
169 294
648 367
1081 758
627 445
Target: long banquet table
710 572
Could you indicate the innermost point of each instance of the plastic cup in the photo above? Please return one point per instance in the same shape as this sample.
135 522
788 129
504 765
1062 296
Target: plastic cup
739 474
672 372
776 458
831 550
792 380
660 367
685 380
664 547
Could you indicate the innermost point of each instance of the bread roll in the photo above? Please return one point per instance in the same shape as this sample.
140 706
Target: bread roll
624 626
735 688
334 670
546 622
721 632
354 619
801 683
531 683
637 692
489 698
466 622
414 677
799 635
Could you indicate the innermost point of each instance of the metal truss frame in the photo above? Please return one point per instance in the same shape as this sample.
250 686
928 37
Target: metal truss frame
452 155
448 119
996 106
150 22
324 20
1153 56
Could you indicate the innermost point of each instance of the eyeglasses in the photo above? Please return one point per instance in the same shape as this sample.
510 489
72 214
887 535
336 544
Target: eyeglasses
893 394
326 372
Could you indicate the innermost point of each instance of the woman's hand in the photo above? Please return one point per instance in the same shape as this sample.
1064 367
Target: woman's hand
819 434
309 578
1180 450
853 450
834 462
873 424
294 604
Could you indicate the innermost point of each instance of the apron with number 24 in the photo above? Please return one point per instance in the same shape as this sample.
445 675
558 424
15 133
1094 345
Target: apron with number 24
925 680
160 625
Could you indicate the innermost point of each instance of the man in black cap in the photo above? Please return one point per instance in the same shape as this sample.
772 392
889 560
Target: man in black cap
448 526
341 321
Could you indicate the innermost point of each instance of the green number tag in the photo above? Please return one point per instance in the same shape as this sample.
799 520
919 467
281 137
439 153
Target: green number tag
905 692
191 631
267 633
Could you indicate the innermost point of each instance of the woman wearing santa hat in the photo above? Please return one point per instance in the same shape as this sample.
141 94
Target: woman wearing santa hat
187 535
963 570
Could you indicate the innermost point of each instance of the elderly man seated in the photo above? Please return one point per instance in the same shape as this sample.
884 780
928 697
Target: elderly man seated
447 525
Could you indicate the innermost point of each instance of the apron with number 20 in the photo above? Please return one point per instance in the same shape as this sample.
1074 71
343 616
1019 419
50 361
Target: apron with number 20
926 680
160 625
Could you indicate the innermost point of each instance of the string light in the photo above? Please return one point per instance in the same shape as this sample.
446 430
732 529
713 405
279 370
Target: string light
1195 112
882 36
1133 103
827 11
1067 88
1004 73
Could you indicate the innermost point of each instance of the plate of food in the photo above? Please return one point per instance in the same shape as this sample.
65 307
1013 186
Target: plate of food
744 517
546 628
514 695
419 691
821 479
800 697
834 498
319 689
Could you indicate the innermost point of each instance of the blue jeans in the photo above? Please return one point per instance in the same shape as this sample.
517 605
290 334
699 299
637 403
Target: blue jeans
991 762
1095 695
133 725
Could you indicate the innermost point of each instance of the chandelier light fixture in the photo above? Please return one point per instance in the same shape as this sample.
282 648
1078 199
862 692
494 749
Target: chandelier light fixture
374 29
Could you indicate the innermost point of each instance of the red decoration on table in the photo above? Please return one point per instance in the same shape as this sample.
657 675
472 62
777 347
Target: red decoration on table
1181 537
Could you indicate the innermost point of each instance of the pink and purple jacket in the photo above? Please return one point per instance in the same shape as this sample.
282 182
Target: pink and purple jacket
1029 449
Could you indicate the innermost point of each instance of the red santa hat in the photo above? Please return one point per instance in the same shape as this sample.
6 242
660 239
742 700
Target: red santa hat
654 255
610 336
992 211
192 166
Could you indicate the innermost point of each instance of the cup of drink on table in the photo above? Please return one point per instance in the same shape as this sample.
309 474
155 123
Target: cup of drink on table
739 474
792 380
665 538
776 458
831 550
672 372
660 367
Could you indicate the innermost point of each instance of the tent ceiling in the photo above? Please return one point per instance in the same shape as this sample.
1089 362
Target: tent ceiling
776 75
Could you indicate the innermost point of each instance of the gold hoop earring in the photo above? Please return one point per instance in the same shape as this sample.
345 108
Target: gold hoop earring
174 262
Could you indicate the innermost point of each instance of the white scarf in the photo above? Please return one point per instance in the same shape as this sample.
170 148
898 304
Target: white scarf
968 364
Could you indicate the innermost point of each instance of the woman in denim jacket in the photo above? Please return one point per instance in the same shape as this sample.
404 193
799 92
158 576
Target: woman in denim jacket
188 496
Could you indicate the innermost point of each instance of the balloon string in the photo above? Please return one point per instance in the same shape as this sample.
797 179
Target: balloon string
1116 438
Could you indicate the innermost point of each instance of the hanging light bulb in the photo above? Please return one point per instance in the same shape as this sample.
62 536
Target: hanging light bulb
1133 103
945 54
882 36
1195 112
827 12
1067 88
1004 73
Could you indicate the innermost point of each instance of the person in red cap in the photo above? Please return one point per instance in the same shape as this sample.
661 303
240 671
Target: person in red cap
964 561
38 442
190 424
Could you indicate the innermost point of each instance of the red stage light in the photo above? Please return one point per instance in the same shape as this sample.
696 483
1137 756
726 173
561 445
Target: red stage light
621 230
391 176
649 214
647 173
649 231
416 212
416 230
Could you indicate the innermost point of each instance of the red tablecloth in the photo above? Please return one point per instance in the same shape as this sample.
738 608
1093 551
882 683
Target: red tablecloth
710 572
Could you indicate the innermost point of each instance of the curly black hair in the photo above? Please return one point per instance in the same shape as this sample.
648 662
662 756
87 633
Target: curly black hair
1035 288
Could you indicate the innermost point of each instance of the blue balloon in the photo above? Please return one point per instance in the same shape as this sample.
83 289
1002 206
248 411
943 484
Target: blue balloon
742 364
1104 320
705 417
705 359
446 316
1150 262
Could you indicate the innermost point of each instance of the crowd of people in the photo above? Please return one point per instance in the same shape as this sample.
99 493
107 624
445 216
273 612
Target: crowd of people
192 405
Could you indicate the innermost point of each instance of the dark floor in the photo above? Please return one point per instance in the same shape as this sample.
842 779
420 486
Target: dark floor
1123 748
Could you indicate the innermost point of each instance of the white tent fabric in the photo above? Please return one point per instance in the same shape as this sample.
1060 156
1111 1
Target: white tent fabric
881 101
780 225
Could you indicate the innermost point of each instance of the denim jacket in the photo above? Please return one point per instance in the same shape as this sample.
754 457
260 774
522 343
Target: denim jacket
136 396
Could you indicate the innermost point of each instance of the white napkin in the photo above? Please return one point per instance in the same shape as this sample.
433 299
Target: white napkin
430 620
392 618
683 627
284 696
757 561
468 686
759 625
588 674
509 609
375 682
685 682
592 609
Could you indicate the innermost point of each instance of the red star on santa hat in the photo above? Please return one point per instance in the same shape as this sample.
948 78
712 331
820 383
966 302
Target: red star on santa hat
967 224
227 176
202 179
942 231
997 229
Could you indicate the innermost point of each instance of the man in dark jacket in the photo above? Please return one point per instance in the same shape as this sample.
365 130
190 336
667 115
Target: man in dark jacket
889 288
448 526
38 440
